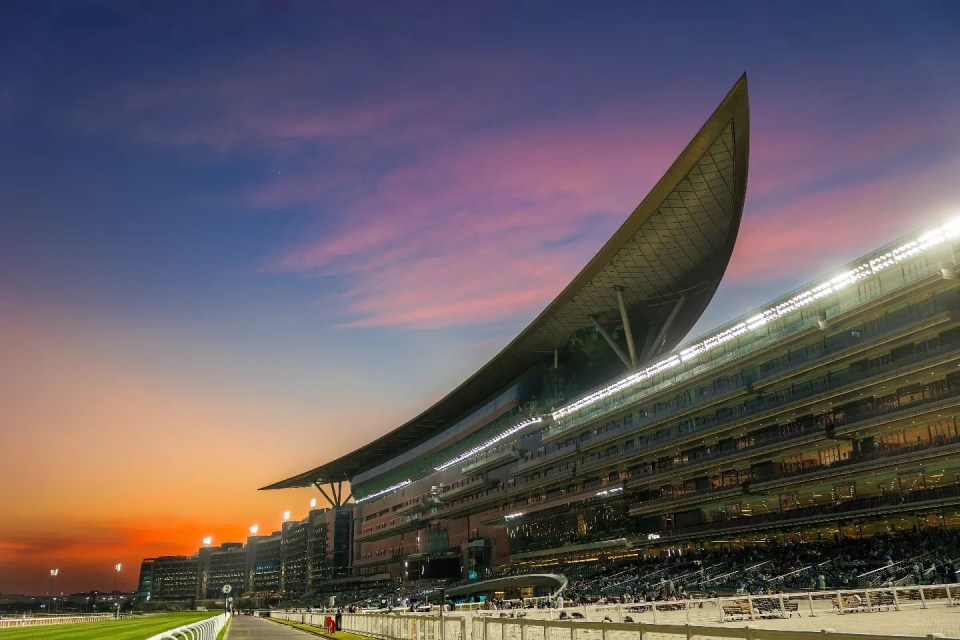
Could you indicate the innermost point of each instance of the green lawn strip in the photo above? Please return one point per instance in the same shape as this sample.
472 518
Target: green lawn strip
346 635
129 629
223 632
320 631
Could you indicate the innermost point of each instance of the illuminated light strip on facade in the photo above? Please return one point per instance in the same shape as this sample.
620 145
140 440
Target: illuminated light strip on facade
513 516
489 443
928 240
609 492
399 485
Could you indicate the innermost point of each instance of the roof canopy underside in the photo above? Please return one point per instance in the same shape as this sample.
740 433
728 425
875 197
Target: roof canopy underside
674 246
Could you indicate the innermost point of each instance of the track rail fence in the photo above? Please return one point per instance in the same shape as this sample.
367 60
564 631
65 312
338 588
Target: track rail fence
417 627
661 620
201 630
44 621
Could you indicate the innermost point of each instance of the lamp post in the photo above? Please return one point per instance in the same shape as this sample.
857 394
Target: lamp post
53 574
116 598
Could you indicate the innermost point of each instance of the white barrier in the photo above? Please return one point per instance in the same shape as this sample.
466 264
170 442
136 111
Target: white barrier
12 623
395 627
694 617
202 630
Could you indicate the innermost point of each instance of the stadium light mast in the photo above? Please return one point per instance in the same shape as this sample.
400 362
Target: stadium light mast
53 574
116 598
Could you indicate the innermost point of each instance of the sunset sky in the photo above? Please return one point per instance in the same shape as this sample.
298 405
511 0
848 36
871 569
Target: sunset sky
239 239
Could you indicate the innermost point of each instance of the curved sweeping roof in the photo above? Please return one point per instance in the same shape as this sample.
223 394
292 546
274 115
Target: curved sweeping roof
673 248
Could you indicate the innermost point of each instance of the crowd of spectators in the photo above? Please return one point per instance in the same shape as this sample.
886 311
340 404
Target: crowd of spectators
910 557
887 560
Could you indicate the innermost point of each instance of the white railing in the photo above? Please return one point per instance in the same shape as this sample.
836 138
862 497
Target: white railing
694 617
202 630
43 621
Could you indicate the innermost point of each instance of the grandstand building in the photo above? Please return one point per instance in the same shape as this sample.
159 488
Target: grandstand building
293 560
219 566
829 413
170 578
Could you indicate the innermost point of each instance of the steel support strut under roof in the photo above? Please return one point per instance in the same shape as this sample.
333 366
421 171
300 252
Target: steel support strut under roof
655 344
610 341
627 331
336 491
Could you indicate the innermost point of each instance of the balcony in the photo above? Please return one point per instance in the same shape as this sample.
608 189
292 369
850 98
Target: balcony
658 505
794 436
492 460
853 421
469 488
914 501
841 312
901 454
875 460
891 333
400 526
915 330
603 492
839 385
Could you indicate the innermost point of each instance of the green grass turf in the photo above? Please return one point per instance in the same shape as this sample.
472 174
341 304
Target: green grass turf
339 635
346 635
223 632
130 629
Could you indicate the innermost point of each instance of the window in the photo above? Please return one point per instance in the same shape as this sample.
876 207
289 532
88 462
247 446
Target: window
879 363
914 269
921 309
876 326
869 289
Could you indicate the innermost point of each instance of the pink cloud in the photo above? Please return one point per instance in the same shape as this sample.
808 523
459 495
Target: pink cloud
476 232
472 220
824 230
809 151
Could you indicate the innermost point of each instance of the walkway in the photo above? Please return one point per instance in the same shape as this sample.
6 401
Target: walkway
251 628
